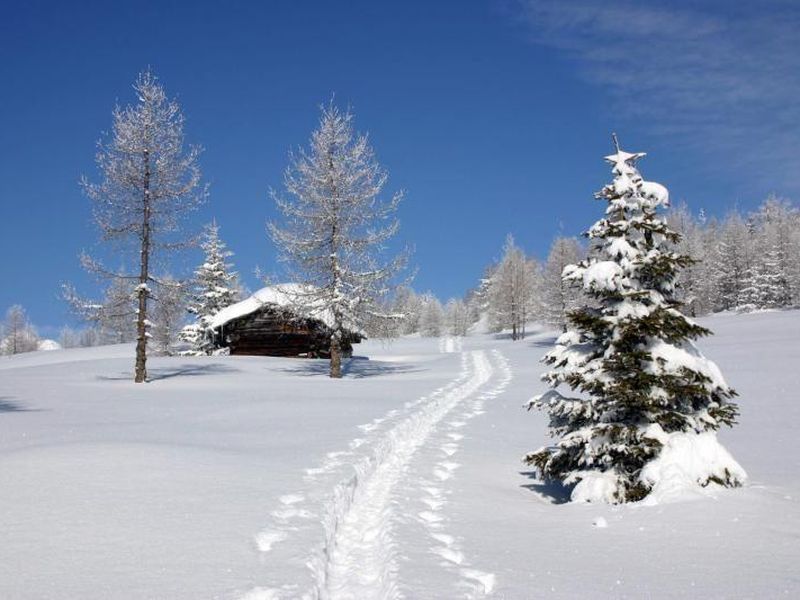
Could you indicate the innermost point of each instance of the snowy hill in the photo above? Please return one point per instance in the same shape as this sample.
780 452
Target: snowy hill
260 478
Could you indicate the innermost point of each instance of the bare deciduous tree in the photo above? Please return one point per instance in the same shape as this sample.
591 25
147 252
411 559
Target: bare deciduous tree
149 181
511 290
17 335
168 314
336 227
557 295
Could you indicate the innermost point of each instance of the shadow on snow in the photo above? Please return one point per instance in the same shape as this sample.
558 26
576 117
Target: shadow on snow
7 405
551 491
546 342
358 367
159 374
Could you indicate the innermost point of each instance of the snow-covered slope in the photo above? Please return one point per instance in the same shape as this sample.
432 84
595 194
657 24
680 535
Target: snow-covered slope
247 477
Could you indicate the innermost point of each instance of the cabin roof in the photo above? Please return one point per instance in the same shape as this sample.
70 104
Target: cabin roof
287 296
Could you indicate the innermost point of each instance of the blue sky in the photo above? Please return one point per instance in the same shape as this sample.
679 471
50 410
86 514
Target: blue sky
493 116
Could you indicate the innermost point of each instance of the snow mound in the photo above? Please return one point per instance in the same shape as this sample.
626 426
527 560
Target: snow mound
595 487
687 463
48 345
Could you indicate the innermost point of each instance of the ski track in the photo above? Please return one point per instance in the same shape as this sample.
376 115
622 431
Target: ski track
450 344
473 582
357 557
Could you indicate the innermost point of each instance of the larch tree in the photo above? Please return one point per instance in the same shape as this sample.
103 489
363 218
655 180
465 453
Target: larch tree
215 286
431 318
114 316
557 295
456 316
149 182
168 314
777 249
691 278
336 227
648 403
511 290
731 262
17 335
68 337
407 303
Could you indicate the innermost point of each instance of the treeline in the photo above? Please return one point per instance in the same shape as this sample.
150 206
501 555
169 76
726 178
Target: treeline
514 291
743 262
112 319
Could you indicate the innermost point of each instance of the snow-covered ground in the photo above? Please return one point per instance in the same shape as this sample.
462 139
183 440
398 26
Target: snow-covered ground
245 477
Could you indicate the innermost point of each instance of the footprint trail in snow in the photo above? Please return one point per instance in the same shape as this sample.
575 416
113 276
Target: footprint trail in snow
358 557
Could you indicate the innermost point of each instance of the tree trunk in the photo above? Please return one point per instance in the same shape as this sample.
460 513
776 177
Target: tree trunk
336 356
336 337
144 275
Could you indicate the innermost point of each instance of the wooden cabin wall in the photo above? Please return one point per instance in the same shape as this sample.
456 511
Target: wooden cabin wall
276 333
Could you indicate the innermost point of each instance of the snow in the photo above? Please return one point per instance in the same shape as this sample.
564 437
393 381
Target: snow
226 476
594 487
602 275
655 192
48 345
284 295
685 465
676 358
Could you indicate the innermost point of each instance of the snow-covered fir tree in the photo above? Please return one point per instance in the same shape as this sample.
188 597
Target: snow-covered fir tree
336 228
649 403
479 300
214 287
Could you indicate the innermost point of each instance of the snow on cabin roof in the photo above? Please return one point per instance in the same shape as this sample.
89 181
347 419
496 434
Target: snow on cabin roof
284 295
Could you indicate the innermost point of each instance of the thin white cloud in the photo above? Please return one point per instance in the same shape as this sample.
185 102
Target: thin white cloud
721 77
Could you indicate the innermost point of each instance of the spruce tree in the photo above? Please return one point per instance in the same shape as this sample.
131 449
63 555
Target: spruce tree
214 288
642 386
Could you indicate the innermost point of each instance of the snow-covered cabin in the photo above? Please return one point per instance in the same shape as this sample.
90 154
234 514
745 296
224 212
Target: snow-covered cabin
269 324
